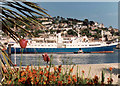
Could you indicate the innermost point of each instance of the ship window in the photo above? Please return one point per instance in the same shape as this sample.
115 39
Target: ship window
94 44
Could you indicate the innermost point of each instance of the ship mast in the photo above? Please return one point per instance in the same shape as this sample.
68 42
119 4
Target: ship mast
79 31
102 33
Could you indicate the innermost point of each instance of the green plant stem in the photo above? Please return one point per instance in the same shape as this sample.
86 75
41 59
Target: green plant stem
20 65
21 59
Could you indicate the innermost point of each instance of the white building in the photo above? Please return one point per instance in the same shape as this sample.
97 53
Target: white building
96 24
101 26
107 33
93 32
46 23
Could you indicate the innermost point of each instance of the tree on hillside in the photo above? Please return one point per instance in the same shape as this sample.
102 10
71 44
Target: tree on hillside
71 32
92 22
110 27
86 20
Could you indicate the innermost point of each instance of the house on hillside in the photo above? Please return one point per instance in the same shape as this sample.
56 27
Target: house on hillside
116 30
43 19
93 32
101 26
49 22
96 24
93 28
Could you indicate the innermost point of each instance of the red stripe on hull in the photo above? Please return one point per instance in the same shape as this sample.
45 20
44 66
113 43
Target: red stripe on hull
63 52
104 52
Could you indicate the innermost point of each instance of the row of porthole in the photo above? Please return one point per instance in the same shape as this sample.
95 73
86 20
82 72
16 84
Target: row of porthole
76 45
56 45
43 45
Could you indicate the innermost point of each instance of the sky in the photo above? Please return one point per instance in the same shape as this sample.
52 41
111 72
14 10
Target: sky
101 12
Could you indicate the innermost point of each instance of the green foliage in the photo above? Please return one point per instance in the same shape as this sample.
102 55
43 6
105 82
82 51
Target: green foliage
86 20
86 32
71 32
36 33
117 33
106 29
97 36
52 31
103 77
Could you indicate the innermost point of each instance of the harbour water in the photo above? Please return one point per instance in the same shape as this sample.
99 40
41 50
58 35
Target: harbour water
86 58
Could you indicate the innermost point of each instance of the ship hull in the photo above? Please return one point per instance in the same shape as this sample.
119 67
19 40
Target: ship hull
102 49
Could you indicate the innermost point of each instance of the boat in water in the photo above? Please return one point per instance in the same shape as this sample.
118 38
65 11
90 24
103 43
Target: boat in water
59 44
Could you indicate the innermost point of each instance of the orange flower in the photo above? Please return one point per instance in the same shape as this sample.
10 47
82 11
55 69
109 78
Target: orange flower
54 78
58 76
41 78
23 73
37 80
39 68
69 79
23 79
69 82
59 69
9 82
71 70
41 72
30 75
19 80
75 80
32 78
27 66
83 71
55 68
59 82
96 77
29 71
35 75
34 71
74 75
26 69
10 72
110 68
46 74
